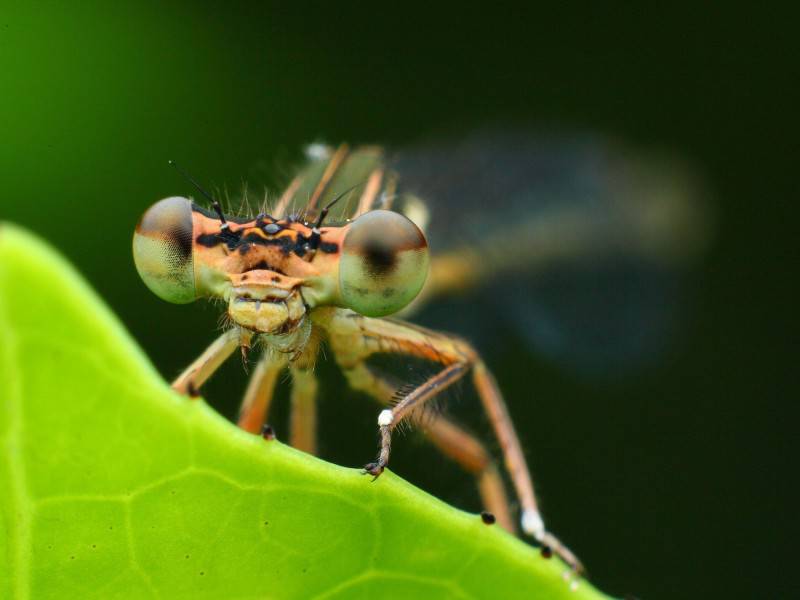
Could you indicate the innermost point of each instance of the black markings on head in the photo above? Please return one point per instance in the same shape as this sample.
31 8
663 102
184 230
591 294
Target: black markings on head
209 240
263 265
488 518
547 552
192 389
329 247
298 243
267 432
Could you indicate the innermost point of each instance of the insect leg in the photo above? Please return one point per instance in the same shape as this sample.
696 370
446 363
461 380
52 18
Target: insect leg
471 454
450 439
303 417
414 401
303 400
258 397
496 409
354 338
208 362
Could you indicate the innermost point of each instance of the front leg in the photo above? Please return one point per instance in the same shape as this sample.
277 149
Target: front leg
353 338
258 396
303 399
389 418
449 438
208 362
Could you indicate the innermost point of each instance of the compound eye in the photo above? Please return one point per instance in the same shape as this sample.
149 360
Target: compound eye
384 263
162 250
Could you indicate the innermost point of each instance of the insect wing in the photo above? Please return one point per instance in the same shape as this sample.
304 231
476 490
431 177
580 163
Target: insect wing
357 175
573 243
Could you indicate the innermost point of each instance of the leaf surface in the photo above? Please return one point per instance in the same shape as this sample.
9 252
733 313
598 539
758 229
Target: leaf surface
113 486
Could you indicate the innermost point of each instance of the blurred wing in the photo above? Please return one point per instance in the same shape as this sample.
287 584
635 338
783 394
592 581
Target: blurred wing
359 174
573 243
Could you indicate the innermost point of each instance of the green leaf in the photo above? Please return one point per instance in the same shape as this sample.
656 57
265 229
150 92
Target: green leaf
113 486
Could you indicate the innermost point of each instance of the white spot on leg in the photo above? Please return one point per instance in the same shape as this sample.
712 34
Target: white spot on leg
385 418
532 524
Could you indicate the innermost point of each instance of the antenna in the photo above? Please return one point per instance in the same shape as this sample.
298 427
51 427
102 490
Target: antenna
214 203
314 238
324 212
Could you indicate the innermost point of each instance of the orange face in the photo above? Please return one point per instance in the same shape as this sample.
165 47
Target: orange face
273 272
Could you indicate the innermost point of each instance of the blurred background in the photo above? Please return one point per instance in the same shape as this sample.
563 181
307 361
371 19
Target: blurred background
669 481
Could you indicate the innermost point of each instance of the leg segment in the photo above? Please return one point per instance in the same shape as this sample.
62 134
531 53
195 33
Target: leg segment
208 362
455 443
258 397
467 451
495 408
303 418
354 338
390 417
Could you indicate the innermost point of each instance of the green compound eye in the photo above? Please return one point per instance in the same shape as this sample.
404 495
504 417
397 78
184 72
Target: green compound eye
384 263
162 250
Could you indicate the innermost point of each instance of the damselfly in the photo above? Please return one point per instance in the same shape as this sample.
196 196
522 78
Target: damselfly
346 244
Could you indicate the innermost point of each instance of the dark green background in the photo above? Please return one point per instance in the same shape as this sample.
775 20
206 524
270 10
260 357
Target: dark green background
668 483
